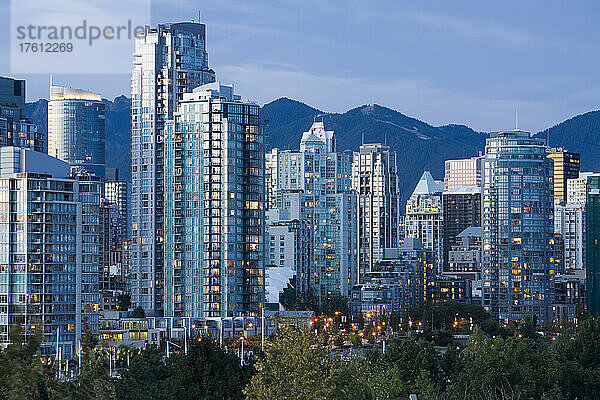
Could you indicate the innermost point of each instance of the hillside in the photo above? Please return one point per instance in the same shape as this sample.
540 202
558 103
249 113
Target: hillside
420 146
580 134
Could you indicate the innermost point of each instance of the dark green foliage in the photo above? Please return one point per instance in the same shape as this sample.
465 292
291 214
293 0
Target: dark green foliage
291 300
296 367
578 134
208 372
138 312
21 372
336 303
442 315
299 365
146 378
124 301
573 363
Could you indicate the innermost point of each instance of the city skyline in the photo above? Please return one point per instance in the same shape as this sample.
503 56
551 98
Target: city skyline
267 235
478 83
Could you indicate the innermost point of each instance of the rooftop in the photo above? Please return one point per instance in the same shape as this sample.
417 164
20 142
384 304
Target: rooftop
426 185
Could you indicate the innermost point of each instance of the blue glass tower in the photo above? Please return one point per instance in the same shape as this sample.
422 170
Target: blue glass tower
517 212
76 128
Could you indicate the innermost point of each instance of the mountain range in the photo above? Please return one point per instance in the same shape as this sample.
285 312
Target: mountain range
420 146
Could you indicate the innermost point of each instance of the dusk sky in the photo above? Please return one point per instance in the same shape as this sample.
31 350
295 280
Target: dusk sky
467 62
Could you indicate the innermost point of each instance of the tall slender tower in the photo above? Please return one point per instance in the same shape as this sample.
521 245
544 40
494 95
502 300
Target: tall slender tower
312 185
169 60
566 166
593 244
424 217
214 206
374 177
517 211
76 128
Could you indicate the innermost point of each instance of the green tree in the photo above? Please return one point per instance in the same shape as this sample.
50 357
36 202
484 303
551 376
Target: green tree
574 363
124 301
146 378
498 369
21 372
138 312
335 303
297 368
93 381
208 372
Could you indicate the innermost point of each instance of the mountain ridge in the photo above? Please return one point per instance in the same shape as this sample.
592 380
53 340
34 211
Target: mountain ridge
420 146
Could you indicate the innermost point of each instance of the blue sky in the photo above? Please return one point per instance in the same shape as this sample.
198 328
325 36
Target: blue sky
468 62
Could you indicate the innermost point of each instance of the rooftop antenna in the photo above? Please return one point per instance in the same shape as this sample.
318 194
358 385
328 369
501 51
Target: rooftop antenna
51 80
199 16
516 119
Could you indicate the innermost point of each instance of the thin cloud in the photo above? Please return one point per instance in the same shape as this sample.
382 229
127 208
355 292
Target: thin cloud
476 29
414 97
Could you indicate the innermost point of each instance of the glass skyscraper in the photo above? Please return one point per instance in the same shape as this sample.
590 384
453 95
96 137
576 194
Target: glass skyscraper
593 244
424 217
214 206
313 184
48 250
77 128
15 128
375 179
517 212
169 60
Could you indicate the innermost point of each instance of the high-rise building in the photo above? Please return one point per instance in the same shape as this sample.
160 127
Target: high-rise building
271 184
569 295
461 209
461 173
398 283
90 192
577 188
12 95
117 192
569 223
424 217
214 206
169 60
412 255
15 129
374 177
464 259
48 276
77 128
592 251
566 166
290 245
108 241
312 184
517 207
